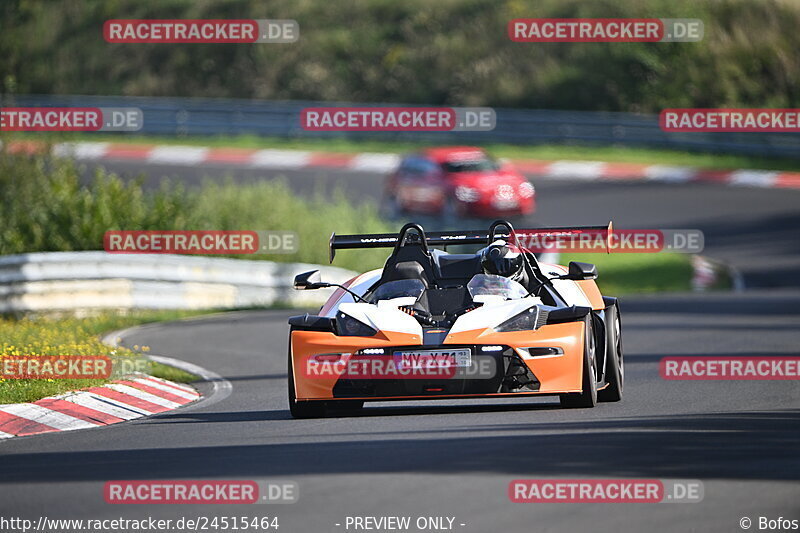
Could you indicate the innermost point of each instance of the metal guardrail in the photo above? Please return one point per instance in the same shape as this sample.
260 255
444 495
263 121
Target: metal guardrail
68 281
202 116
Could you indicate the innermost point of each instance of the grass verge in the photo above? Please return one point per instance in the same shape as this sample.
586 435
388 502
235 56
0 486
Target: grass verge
618 154
74 336
621 274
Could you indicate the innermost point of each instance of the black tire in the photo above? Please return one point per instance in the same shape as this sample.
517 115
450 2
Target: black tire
588 396
615 369
311 409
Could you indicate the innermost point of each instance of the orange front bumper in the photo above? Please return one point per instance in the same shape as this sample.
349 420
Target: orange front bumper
556 374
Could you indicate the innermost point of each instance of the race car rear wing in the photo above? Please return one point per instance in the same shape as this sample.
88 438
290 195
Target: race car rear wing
444 238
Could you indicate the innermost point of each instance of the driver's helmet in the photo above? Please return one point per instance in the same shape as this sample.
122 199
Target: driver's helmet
502 260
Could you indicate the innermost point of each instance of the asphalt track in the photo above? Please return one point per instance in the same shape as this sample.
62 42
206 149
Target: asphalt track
457 458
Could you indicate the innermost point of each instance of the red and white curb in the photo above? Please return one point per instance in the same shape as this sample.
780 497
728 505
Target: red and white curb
137 396
198 155
602 171
384 163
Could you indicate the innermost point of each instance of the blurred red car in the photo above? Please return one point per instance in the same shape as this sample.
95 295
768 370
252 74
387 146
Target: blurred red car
458 181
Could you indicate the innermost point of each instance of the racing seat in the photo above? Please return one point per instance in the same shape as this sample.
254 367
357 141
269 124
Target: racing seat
406 270
410 258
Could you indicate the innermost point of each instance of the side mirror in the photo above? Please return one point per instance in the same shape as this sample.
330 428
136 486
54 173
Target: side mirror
581 271
567 314
308 280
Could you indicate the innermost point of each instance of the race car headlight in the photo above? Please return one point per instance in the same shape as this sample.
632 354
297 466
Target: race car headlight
347 326
526 190
528 319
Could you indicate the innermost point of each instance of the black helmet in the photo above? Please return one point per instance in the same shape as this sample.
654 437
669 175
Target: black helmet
502 260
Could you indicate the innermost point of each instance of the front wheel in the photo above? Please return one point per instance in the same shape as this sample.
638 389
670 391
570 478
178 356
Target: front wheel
615 365
301 409
588 396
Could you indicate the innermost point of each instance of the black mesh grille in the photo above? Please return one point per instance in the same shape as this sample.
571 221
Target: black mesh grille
541 318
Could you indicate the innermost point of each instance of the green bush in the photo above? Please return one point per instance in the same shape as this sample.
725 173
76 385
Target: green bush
45 206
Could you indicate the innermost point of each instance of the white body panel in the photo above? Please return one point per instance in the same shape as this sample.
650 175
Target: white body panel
359 286
569 290
491 315
385 316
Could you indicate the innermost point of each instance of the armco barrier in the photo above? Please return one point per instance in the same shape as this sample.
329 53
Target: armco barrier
66 281
205 116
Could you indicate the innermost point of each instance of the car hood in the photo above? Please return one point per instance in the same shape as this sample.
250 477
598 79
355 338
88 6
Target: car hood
485 179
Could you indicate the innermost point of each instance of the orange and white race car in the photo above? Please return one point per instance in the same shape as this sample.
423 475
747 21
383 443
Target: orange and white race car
438 325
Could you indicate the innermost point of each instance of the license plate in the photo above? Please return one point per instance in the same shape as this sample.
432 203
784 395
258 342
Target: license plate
505 203
413 360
